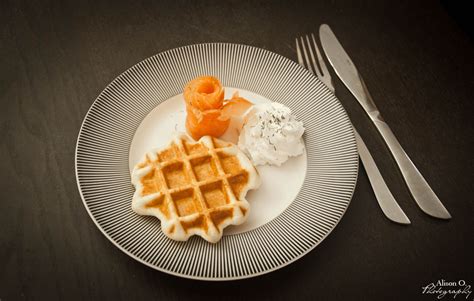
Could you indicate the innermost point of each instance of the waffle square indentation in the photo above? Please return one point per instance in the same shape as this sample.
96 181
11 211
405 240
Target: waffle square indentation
220 216
151 182
238 183
175 175
185 202
204 168
200 222
230 164
194 148
159 203
214 194
169 154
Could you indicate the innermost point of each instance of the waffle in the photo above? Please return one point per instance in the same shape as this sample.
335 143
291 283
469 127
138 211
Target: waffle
194 188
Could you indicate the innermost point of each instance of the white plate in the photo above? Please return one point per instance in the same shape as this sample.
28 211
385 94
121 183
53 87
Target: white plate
298 203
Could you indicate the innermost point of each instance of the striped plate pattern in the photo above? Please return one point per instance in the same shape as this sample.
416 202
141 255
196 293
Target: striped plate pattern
103 177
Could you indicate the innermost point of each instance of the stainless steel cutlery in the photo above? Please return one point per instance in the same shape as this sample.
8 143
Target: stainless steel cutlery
347 72
387 202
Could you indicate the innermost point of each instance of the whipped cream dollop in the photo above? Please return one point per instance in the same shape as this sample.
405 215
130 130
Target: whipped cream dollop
271 134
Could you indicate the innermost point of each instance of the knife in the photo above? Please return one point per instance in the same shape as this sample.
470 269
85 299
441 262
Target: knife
347 72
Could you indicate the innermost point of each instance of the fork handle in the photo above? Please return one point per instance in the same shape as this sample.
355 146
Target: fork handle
419 188
384 197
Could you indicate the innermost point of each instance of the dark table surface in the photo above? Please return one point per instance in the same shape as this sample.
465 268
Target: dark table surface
56 57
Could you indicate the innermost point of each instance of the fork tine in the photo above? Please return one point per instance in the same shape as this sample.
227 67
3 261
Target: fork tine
308 62
322 65
298 53
318 72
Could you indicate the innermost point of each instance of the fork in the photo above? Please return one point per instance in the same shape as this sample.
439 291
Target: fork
384 197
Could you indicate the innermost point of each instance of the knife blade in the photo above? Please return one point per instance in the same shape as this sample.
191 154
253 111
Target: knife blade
345 69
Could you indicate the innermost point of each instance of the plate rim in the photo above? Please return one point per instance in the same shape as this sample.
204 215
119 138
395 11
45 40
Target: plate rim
181 275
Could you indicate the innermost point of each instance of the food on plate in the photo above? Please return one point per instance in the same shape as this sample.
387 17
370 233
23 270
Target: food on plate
204 97
207 112
271 134
268 133
236 108
199 188
194 188
204 93
203 123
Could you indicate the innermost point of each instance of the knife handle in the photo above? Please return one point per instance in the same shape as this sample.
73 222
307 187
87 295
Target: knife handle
419 188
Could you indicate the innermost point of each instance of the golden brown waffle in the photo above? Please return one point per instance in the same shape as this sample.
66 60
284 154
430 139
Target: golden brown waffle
194 187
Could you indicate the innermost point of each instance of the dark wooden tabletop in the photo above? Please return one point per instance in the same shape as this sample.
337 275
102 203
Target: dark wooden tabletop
56 57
